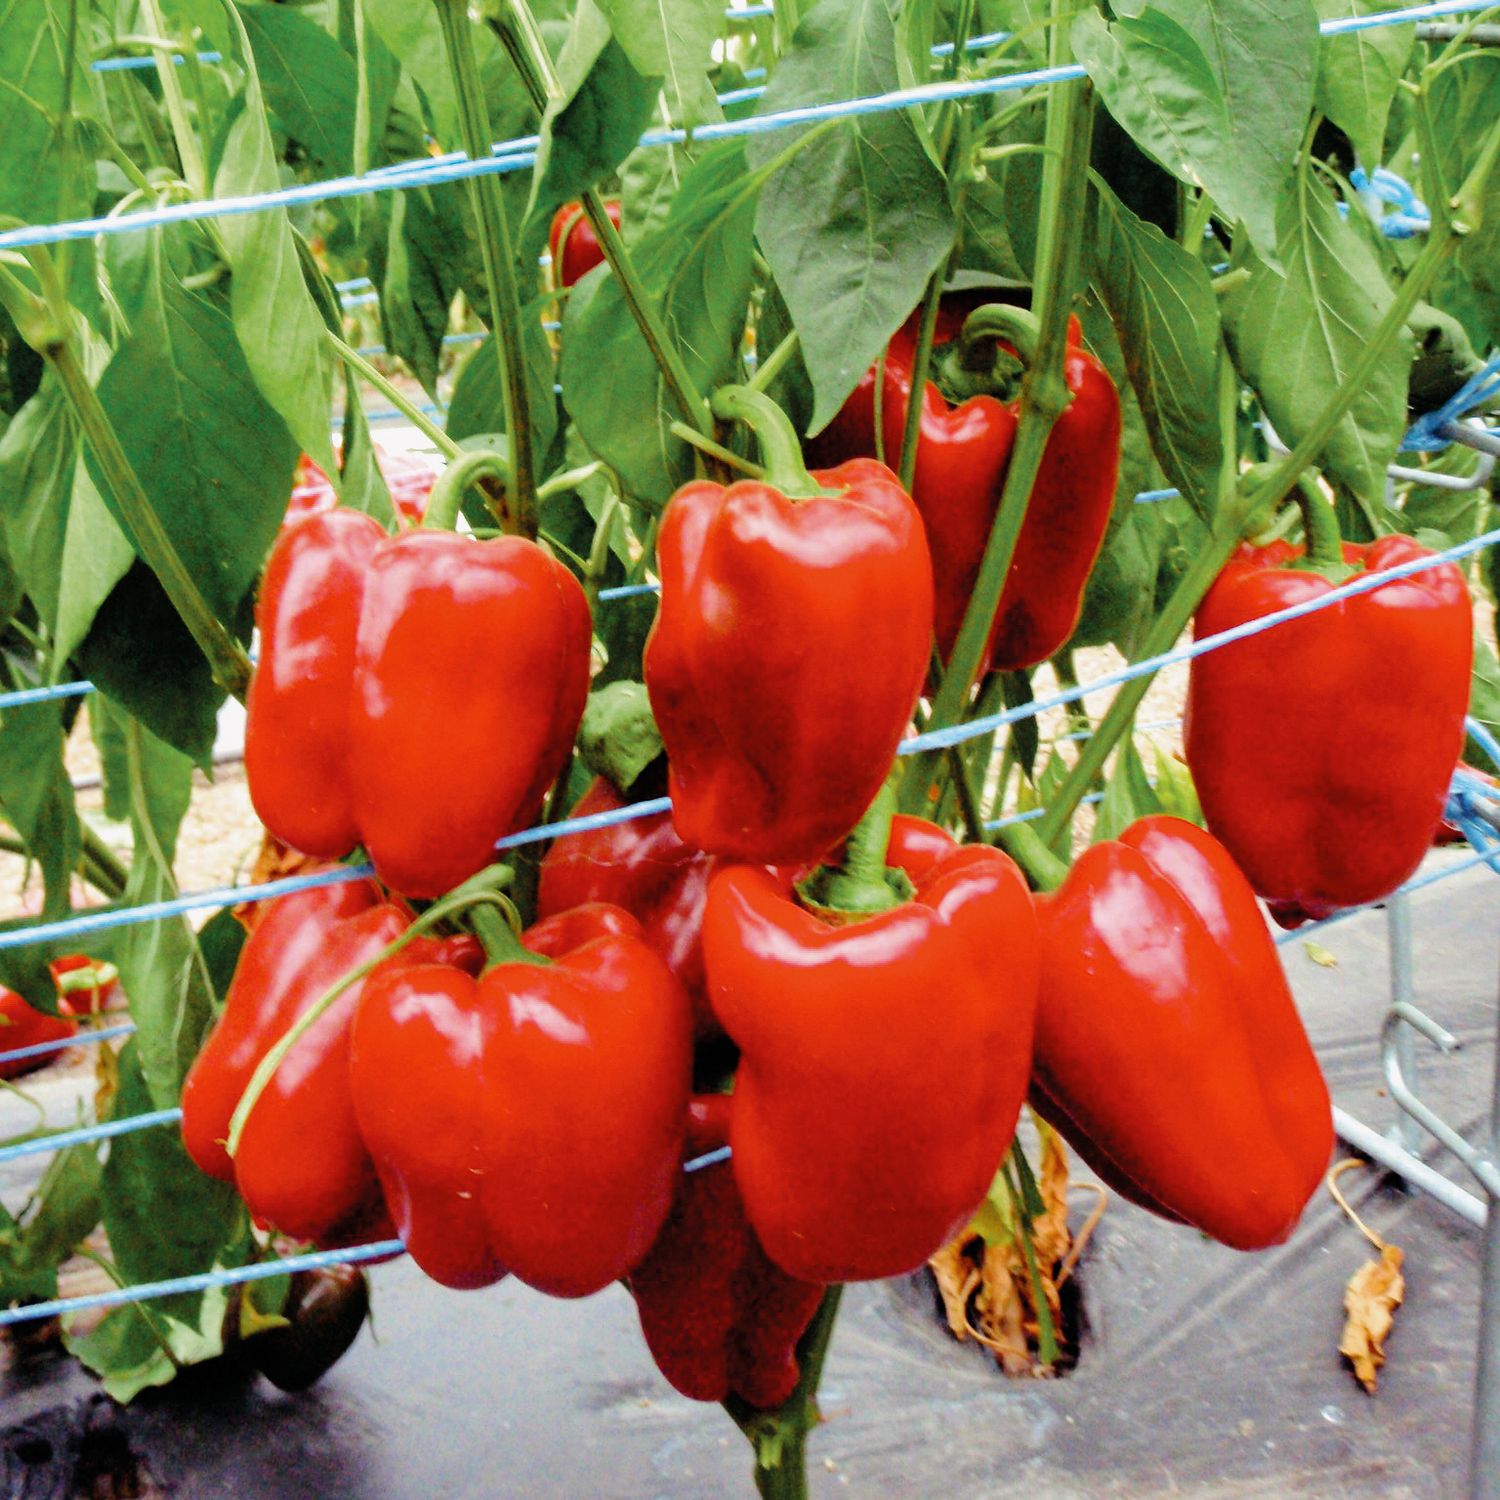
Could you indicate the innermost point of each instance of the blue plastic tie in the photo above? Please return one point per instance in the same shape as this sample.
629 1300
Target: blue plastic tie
131 64
86 1133
1427 435
79 1039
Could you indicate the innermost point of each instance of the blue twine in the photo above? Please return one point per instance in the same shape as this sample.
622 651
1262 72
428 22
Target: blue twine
79 1039
85 1133
129 64
23 696
1427 435
628 591
942 739
315 1260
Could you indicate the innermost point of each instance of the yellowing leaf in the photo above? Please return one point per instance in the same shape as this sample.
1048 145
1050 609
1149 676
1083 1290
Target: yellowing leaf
1320 955
1370 1300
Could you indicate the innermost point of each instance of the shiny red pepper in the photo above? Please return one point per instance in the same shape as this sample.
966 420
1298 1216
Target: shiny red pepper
645 868
1168 1048
963 453
574 245
532 1120
1322 749
301 1166
416 694
85 986
883 1059
21 1025
718 1316
791 644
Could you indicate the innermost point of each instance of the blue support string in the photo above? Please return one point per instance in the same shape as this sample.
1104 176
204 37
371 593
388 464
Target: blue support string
1427 433
79 1039
86 1133
23 696
132 64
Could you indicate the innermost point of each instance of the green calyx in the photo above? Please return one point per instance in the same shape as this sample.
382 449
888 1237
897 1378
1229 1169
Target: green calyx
780 449
978 363
863 884
1323 544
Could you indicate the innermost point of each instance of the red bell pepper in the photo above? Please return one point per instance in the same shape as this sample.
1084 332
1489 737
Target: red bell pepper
85 986
1168 1048
718 1316
301 1166
415 694
532 1120
21 1025
792 641
884 1059
644 867
574 245
1322 749
963 452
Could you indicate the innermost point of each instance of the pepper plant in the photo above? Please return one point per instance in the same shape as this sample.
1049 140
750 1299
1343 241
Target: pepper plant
1128 236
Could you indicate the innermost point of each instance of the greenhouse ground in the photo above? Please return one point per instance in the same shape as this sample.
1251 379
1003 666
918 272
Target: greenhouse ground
1202 1372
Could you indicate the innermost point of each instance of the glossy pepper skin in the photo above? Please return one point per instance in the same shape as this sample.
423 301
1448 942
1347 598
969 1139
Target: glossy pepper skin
22 1025
963 453
416 694
883 1062
574 245
791 644
529 1121
719 1318
301 1165
1322 749
1168 1049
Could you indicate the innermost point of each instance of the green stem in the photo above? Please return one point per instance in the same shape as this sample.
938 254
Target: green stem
1044 393
227 659
193 169
780 1437
1236 510
519 34
775 362
569 479
109 873
460 900
497 935
726 456
780 450
861 884
398 398
1044 869
446 499
920 365
1320 530
499 263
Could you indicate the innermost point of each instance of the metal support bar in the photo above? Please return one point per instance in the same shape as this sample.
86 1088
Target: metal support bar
1380 1148
1404 1130
1484 1470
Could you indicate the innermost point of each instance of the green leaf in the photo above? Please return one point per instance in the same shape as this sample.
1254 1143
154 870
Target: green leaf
212 455
1163 307
1295 337
618 738
1174 787
1358 73
427 241
63 1212
672 40
1218 91
278 324
161 966
697 271
593 126
44 180
855 223
1128 795
310 83
141 655
37 796
64 543
1484 702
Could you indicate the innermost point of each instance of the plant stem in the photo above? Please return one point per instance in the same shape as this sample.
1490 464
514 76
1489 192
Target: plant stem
227 659
780 451
446 499
1044 393
694 438
780 1437
775 362
519 35
499 262
921 363
193 169
408 408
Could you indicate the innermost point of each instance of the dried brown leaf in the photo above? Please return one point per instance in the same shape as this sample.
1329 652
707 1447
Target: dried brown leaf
273 861
1371 1298
1000 1309
957 1276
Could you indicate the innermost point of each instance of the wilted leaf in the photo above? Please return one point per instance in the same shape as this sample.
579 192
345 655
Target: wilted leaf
957 1276
1370 1300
